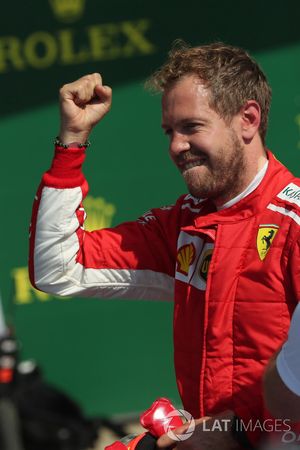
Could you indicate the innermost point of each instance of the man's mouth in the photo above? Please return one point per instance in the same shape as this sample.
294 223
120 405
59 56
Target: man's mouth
186 165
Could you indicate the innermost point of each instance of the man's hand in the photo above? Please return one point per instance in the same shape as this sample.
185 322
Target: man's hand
211 433
83 103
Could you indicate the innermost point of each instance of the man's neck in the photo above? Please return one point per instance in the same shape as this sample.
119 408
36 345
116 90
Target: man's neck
253 165
254 183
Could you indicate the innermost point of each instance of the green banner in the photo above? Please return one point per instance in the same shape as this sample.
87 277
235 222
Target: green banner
114 356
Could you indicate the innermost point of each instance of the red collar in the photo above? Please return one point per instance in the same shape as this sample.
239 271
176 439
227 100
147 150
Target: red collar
276 177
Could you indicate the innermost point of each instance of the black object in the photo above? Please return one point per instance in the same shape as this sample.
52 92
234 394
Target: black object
49 419
33 414
148 442
10 435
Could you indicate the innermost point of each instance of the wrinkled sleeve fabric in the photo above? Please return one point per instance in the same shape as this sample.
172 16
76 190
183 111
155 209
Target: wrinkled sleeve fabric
133 260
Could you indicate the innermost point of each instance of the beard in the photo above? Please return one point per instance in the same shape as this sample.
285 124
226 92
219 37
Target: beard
219 177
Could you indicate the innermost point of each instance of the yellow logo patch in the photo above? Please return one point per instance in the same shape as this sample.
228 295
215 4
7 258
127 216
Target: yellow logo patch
265 236
185 257
204 266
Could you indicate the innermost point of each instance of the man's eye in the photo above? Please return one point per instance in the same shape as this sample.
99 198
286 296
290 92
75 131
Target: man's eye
191 125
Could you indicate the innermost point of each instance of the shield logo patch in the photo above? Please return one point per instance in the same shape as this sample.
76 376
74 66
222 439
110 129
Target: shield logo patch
265 236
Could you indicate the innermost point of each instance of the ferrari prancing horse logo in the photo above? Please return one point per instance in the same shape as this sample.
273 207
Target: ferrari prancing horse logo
265 236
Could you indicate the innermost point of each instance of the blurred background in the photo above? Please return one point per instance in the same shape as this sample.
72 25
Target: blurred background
114 357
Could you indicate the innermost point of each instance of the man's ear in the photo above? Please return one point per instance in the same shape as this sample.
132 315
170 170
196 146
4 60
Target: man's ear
250 119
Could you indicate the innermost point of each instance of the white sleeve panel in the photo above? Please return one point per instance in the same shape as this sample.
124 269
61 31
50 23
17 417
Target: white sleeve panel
288 359
57 271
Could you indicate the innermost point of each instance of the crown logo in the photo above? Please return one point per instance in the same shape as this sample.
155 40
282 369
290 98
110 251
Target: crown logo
67 10
99 213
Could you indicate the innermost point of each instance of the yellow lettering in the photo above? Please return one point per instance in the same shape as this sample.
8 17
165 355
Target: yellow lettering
10 50
40 50
137 42
103 41
24 292
68 55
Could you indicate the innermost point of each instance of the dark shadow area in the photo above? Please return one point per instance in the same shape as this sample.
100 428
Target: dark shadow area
43 47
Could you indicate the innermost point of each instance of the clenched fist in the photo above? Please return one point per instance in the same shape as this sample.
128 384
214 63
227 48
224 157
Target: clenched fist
83 103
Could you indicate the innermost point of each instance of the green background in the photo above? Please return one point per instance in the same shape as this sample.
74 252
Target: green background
116 356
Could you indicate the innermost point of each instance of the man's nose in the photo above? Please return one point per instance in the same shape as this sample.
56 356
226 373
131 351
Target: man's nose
178 143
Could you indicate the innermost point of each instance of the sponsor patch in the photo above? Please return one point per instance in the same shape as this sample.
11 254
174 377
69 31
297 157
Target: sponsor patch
146 217
291 193
193 258
205 262
265 236
185 257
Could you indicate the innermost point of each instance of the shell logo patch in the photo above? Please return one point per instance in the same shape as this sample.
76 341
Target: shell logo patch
185 258
265 236
193 258
204 266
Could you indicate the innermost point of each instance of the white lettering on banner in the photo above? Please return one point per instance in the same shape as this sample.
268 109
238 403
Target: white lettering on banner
290 193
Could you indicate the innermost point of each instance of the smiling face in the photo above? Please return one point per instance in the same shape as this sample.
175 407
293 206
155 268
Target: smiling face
206 149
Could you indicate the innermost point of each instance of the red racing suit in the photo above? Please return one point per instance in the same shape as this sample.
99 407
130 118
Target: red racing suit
234 275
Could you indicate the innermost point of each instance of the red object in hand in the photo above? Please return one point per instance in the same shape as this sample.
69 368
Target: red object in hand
159 418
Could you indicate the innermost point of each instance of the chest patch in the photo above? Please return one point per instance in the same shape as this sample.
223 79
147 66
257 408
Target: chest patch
205 262
193 259
265 236
291 193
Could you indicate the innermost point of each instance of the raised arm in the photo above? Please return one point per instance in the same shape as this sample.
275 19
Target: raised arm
133 260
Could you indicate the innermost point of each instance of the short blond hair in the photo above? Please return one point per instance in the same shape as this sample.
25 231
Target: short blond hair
229 73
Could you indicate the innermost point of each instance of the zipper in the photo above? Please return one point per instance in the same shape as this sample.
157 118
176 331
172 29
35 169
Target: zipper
205 321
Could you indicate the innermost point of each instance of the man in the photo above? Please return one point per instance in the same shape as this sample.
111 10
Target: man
228 252
282 376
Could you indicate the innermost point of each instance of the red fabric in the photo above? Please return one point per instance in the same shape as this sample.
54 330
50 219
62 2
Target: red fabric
227 323
65 171
225 336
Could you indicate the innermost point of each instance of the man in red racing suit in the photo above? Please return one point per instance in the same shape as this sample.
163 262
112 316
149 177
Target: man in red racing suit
230 261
